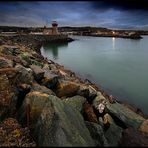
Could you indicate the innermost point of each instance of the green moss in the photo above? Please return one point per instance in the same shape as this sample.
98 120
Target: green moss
25 56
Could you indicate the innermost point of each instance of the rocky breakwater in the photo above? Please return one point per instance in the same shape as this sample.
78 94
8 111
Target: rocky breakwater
43 104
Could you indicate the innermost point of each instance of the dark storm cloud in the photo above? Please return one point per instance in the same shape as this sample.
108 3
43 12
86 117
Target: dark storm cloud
121 4
103 13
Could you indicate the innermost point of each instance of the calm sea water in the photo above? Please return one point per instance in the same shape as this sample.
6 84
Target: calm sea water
119 66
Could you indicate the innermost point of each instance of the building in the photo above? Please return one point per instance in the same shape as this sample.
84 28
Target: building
46 30
54 28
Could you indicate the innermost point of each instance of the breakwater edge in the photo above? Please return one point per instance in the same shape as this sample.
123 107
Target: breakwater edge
51 106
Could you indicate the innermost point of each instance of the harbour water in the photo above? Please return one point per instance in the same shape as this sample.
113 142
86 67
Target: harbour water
119 66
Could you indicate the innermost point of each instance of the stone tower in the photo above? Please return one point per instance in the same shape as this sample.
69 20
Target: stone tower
54 28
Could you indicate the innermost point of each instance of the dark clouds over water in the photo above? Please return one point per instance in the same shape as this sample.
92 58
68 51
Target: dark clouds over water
102 13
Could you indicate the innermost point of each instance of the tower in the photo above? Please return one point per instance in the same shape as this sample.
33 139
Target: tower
54 28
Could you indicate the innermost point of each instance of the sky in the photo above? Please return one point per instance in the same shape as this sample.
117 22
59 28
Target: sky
122 14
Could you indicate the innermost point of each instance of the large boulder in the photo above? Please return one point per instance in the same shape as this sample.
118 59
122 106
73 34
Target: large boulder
35 100
127 116
131 137
50 80
76 101
97 133
144 127
12 135
66 88
113 133
41 88
25 75
89 114
37 72
99 99
55 123
87 91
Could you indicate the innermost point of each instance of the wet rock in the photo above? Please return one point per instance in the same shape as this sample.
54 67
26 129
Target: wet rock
77 102
37 72
12 135
66 88
97 133
144 127
89 113
133 138
134 109
50 80
127 116
43 89
25 74
113 133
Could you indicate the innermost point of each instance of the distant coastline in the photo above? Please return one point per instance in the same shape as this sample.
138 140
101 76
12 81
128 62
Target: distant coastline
82 31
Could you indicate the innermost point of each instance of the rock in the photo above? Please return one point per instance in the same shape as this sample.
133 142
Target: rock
12 135
22 90
107 119
127 116
133 138
101 123
134 109
5 63
43 89
6 96
92 92
36 101
53 67
144 127
66 88
97 133
7 50
89 113
87 91
26 57
113 133
101 107
50 80
46 67
25 74
54 123
1 42
99 99
37 72
77 102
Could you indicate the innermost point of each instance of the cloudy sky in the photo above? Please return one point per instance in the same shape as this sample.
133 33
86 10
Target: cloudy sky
103 13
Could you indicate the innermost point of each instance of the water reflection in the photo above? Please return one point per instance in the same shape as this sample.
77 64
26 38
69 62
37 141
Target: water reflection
113 42
53 48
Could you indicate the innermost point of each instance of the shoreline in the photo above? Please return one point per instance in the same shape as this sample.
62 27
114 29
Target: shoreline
98 87
53 101
37 47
